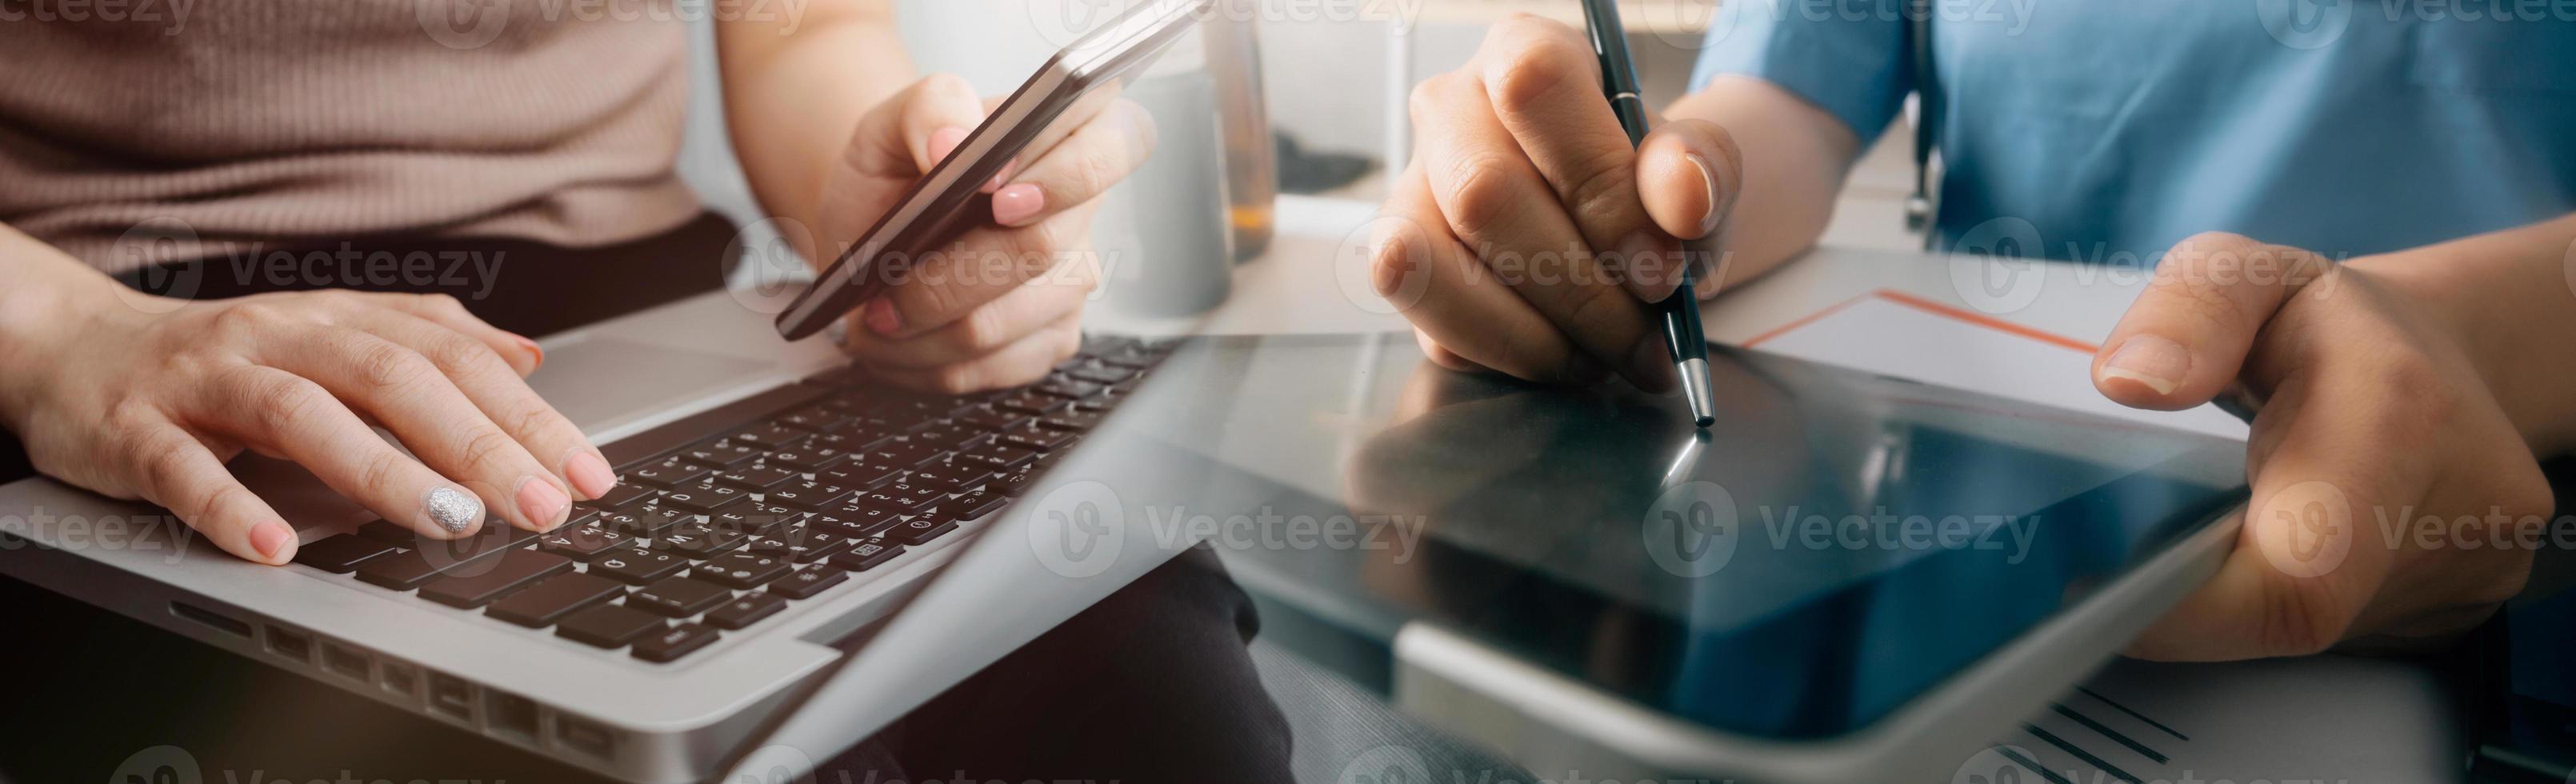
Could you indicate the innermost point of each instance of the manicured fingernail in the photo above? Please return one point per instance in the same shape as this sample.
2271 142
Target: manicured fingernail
1017 203
536 353
1707 181
1645 269
2156 362
270 538
541 502
882 317
453 510
588 473
945 141
1653 366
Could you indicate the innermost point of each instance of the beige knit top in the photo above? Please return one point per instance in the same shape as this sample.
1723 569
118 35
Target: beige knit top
312 122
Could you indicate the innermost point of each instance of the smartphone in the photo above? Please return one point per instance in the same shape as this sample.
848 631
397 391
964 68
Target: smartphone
1068 91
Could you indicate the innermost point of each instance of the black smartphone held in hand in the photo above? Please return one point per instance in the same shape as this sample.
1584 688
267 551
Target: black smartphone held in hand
1068 91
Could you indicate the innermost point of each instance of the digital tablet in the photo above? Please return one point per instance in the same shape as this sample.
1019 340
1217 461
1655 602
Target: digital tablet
1851 577
1069 90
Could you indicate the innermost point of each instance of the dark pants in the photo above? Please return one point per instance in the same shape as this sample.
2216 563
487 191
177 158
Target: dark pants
1151 685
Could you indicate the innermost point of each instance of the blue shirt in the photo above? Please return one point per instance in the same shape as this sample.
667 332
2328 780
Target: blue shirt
2116 129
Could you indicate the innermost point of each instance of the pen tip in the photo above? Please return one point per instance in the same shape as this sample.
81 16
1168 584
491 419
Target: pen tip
1706 420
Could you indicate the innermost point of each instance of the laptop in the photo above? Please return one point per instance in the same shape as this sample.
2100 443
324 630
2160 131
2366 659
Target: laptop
774 502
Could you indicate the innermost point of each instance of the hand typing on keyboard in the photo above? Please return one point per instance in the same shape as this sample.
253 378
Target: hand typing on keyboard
140 397
749 510
1003 305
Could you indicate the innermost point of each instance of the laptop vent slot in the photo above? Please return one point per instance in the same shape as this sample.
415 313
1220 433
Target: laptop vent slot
217 621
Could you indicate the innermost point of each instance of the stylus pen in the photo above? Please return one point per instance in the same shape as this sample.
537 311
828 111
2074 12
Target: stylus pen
1682 335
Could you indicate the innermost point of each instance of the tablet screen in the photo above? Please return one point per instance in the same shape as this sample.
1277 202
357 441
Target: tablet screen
1839 544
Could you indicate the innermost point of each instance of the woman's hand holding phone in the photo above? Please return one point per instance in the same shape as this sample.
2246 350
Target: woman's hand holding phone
1002 304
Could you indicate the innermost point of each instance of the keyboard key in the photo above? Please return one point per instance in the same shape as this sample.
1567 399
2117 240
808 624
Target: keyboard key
901 497
746 610
902 455
338 554
868 555
1102 374
698 540
678 597
583 543
553 598
608 626
1064 387
389 533
807 495
1034 403
922 529
857 521
807 582
639 520
1076 420
1030 436
993 419
721 454
431 558
995 457
755 479
635 566
772 436
515 570
668 473
803 545
621 494
1015 481
852 439
948 477
670 644
815 418
702 498
755 518
858 476
807 457
1130 357
972 505
741 570
950 438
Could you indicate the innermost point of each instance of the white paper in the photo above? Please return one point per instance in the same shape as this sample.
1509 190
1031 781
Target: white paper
1883 334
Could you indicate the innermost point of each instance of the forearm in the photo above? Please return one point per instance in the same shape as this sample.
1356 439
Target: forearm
1795 158
42 290
794 92
2511 297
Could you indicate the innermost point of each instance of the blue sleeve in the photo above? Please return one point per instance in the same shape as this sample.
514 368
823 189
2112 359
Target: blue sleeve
1849 57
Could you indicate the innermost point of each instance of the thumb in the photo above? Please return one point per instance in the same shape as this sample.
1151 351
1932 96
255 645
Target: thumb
1688 174
2186 337
907 134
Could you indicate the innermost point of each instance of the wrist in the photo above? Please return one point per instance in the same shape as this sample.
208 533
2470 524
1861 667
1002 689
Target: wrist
46 299
2508 318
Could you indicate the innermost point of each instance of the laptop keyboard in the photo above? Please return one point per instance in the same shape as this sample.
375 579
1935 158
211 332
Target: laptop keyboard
722 534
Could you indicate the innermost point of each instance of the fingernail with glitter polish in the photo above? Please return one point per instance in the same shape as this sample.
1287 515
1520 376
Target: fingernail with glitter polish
454 510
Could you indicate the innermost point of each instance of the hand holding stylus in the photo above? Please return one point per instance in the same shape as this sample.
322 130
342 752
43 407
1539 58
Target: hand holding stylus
1533 237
